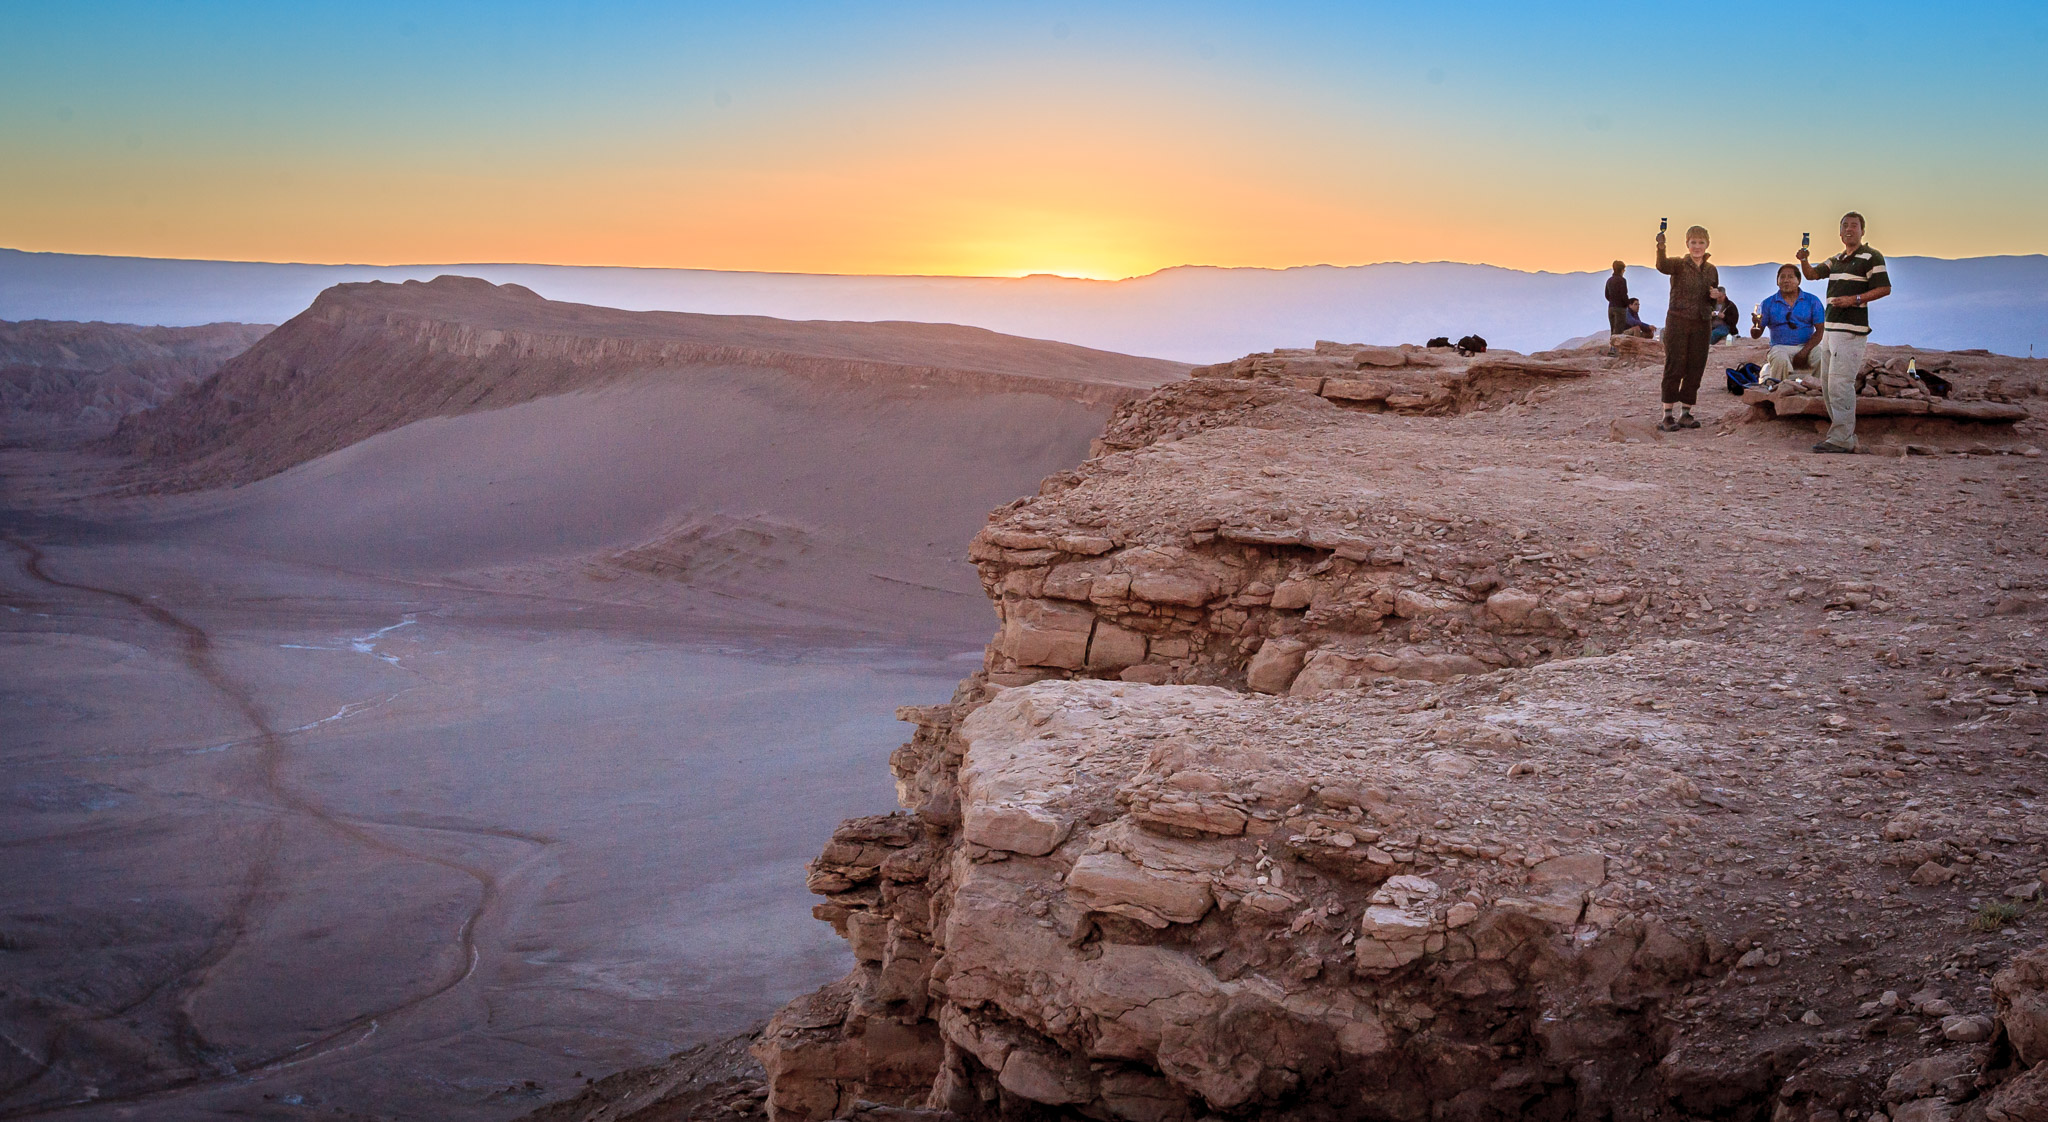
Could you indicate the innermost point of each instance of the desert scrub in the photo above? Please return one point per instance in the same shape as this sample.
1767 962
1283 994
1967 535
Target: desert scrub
1996 914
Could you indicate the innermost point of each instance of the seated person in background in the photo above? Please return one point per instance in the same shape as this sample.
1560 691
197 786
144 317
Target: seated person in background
1632 321
1793 318
1723 318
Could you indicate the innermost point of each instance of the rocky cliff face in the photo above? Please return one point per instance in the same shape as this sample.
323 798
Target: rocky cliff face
69 376
367 358
1335 762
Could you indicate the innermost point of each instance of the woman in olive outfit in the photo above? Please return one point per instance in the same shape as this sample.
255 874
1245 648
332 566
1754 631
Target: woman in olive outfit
1686 326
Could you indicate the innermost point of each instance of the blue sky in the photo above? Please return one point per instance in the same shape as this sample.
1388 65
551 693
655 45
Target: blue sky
1101 139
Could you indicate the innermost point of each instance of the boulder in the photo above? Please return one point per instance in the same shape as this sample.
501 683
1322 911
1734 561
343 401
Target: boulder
1170 576
1924 1110
1072 581
1379 356
2020 992
1397 923
1512 606
1903 826
1561 908
1029 830
1932 873
1924 1076
1994 412
1354 389
867 935
1327 670
1274 667
1410 604
1111 882
2023 1099
1113 648
1966 1028
1191 816
1293 595
1044 1078
1044 633
1637 348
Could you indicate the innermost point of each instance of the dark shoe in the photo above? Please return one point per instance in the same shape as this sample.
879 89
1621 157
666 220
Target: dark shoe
1667 425
1688 422
1824 446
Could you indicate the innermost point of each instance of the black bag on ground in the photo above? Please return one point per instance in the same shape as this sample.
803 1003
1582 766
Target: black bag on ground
1439 341
1744 377
1472 345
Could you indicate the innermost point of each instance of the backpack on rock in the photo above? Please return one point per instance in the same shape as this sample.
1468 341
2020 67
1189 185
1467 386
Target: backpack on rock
1744 377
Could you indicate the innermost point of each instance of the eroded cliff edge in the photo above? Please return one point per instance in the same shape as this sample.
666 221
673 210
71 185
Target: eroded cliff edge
1343 764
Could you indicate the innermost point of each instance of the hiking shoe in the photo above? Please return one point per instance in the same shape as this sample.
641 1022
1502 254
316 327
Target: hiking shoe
1667 425
1824 446
1688 422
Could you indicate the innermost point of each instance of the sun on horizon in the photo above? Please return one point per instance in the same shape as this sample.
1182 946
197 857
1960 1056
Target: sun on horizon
1102 145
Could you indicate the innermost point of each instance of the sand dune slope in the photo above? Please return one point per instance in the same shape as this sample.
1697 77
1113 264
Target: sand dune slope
785 474
368 358
746 493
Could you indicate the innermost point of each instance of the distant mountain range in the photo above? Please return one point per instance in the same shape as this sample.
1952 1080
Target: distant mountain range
1193 314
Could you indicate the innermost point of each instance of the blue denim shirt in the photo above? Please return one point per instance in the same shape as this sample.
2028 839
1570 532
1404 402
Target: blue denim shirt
1791 325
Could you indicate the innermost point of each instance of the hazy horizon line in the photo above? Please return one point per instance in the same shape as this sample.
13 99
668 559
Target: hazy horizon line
908 276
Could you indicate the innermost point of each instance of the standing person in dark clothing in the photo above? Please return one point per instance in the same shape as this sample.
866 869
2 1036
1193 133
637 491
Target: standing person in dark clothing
1617 301
1693 278
1856 278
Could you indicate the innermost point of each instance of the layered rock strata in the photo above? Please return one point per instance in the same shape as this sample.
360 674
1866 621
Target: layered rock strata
59 375
1121 570
1343 764
1403 379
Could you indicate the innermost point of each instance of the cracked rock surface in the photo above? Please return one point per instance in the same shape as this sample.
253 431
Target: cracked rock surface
1489 758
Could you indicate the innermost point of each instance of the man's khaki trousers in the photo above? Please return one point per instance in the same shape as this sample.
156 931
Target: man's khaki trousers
1839 358
1778 367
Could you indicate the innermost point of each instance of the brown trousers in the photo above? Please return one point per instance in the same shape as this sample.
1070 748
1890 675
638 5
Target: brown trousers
1685 359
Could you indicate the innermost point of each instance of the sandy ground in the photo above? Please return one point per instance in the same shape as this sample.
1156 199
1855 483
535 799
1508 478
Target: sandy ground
485 751
779 504
279 838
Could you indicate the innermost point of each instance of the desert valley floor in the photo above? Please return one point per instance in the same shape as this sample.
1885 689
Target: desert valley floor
338 841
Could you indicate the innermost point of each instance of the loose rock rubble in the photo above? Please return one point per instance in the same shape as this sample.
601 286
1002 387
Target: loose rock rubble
1449 759
1404 379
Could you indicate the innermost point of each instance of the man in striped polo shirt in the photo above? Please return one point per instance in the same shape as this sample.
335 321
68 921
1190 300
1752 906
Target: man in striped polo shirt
1856 277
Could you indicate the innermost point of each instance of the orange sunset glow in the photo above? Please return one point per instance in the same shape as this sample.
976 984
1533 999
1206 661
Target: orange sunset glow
998 146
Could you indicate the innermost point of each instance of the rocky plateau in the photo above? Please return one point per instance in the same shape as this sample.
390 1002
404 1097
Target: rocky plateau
1378 733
